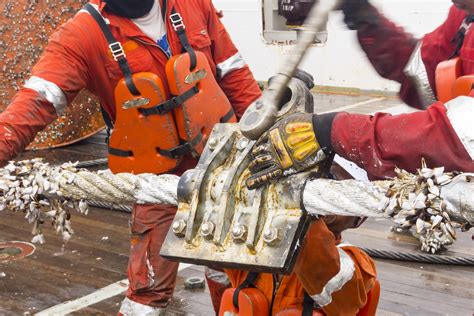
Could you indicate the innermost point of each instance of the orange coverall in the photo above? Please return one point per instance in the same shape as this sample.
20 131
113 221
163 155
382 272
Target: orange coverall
317 271
78 57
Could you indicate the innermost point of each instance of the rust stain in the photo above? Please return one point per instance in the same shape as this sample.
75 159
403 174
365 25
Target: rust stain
25 27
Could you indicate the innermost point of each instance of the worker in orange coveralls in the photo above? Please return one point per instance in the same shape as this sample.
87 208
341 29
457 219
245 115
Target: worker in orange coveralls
331 278
100 49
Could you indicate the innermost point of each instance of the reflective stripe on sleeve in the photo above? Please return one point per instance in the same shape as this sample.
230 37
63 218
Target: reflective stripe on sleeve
460 113
50 92
338 281
233 63
416 70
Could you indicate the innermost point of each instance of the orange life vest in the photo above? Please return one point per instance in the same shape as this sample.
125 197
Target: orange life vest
244 301
151 134
450 81
249 300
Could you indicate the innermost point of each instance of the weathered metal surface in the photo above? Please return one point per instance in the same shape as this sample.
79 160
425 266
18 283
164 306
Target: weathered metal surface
220 222
25 26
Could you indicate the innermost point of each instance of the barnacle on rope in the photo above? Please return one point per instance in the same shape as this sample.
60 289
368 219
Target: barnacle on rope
413 200
31 187
421 201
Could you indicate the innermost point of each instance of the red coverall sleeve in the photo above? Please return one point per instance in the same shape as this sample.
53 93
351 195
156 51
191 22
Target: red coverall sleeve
338 279
61 69
389 49
438 46
234 75
382 142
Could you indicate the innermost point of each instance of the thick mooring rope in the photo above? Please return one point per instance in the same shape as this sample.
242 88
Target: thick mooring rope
418 257
420 200
101 162
111 206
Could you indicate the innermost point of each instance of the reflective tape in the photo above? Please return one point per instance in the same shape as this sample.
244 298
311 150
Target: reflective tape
416 70
233 63
344 275
50 91
460 113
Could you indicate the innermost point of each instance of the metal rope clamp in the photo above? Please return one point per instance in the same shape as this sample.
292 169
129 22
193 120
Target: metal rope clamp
221 223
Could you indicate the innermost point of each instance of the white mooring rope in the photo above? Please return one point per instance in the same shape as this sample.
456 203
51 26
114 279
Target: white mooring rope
422 200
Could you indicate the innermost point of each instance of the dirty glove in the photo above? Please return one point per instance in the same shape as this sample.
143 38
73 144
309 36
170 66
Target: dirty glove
290 146
359 13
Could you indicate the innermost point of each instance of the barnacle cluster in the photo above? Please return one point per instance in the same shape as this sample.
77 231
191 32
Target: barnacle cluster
413 200
32 187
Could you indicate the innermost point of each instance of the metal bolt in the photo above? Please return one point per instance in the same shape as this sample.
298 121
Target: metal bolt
207 229
178 227
271 236
212 143
242 144
239 233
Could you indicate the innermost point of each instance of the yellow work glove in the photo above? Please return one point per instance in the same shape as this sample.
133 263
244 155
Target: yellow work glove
290 146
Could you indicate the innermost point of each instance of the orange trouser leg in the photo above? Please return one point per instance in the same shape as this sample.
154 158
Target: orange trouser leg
370 308
152 278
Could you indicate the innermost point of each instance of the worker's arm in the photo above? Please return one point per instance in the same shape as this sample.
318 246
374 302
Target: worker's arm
338 279
387 46
442 135
234 75
397 55
55 80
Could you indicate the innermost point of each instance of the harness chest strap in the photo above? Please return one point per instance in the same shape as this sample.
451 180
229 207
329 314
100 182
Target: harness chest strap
191 125
460 35
119 55
115 48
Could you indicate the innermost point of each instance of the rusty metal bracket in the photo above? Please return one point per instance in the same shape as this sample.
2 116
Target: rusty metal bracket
221 223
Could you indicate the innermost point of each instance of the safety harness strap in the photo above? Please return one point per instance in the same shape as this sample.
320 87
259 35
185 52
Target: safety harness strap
308 305
182 149
249 282
119 152
173 153
109 125
228 116
171 104
115 48
180 28
458 38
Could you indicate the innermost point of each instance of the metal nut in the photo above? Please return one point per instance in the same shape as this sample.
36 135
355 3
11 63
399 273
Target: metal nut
239 233
194 283
207 229
271 236
178 227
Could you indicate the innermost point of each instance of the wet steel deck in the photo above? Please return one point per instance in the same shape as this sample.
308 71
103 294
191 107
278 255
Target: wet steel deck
96 256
